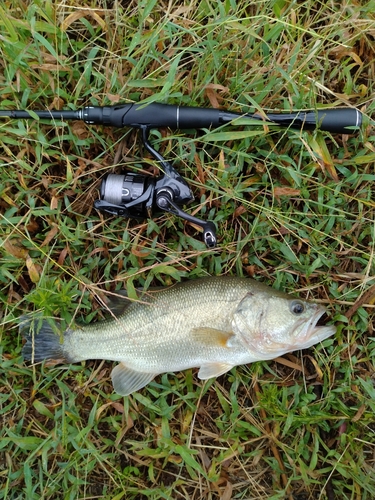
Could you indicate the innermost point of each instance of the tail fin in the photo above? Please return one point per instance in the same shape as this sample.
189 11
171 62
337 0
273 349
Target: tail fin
42 341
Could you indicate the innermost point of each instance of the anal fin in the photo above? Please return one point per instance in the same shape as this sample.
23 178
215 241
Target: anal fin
211 370
125 380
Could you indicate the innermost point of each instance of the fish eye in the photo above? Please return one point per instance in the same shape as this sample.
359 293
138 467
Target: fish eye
297 307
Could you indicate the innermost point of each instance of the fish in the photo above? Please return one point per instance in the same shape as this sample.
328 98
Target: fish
212 323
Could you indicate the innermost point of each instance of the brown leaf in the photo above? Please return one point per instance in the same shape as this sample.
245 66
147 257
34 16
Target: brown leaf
115 98
286 191
50 235
319 147
50 67
80 130
201 175
129 425
239 211
120 408
16 249
359 413
78 15
62 256
221 165
32 226
212 94
54 362
140 251
54 203
317 367
57 103
212 97
217 86
32 269
290 364
23 284
100 410
367 297
227 493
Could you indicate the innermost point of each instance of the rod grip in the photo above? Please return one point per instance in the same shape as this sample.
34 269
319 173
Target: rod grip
338 120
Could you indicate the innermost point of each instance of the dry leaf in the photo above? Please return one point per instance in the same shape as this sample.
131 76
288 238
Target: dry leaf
78 15
212 94
286 191
16 249
49 67
317 367
217 86
201 175
212 97
140 251
62 256
239 211
57 102
32 226
32 270
359 413
319 147
50 235
289 364
227 494
120 408
115 98
54 203
8 200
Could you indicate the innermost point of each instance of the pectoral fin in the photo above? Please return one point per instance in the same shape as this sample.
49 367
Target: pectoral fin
212 337
125 380
213 370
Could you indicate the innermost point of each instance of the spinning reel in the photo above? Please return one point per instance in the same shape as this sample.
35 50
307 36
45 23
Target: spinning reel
135 195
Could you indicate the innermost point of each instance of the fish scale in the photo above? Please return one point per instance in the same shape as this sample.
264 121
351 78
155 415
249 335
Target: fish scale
210 323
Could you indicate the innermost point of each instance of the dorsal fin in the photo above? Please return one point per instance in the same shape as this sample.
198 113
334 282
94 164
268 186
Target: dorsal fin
117 302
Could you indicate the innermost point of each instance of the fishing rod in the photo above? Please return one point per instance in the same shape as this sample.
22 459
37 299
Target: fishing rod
157 115
136 195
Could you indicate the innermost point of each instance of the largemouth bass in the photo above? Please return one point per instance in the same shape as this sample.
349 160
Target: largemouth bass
211 323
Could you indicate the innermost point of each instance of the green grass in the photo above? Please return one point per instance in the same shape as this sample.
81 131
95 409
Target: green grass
294 209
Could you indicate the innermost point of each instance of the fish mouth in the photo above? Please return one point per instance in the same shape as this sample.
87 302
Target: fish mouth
312 333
